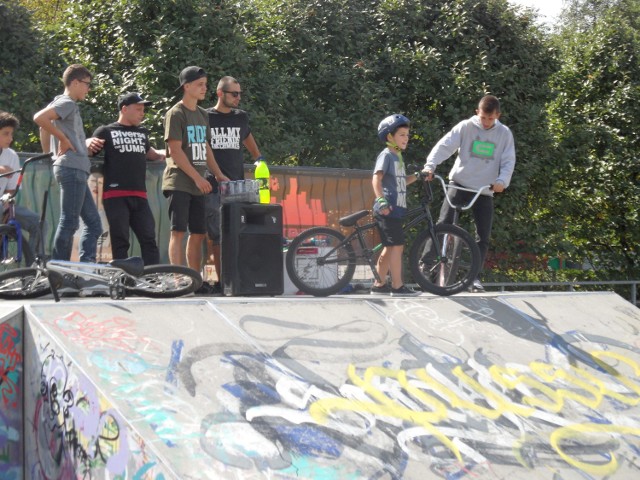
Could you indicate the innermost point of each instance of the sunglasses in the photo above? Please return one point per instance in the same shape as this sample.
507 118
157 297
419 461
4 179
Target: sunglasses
234 94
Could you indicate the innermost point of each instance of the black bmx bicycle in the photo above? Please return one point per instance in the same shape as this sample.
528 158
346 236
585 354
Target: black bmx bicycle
444 259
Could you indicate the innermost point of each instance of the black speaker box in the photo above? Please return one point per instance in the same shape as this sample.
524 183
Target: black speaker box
251 249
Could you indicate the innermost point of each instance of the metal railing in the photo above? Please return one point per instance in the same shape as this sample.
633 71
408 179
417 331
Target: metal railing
503 286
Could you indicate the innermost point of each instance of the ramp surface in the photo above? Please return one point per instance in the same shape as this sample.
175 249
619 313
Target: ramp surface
504 386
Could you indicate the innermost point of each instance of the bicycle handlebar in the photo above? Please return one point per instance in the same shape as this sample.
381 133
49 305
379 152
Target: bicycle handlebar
477 192
21 171
26 162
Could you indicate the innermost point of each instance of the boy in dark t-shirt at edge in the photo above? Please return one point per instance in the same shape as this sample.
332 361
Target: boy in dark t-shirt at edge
189 156
126 151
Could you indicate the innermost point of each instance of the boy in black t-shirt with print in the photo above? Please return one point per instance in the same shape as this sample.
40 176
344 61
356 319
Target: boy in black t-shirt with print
230 130
126 151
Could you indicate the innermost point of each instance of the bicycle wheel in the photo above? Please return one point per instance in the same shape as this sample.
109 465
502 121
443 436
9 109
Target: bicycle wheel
10 257
166 281
26 283
319 263
452 269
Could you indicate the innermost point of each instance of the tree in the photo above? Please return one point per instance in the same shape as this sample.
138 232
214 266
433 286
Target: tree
25 62
594 121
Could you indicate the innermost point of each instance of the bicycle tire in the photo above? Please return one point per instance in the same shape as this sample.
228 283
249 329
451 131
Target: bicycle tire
166 281
305 266
9 261
21 283
450 273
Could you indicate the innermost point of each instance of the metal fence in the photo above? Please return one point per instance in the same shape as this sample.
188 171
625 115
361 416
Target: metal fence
570 286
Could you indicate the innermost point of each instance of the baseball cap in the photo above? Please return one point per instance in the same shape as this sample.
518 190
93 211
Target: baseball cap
190 74
130 99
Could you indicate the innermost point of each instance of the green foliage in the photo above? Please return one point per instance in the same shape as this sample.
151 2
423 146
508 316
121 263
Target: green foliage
594 120
48 13
24 72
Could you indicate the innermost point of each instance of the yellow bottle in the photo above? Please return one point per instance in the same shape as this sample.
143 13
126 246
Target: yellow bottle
262 175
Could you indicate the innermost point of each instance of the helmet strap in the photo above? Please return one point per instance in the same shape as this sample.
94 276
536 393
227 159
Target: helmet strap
395 148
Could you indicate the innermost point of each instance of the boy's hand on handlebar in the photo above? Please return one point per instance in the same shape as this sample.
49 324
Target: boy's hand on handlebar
497 187
383 206
427 175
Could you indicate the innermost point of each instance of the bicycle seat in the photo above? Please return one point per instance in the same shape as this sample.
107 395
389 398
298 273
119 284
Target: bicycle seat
133 265
350 220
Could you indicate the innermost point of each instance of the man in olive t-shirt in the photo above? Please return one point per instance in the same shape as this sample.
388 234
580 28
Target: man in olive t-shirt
188 157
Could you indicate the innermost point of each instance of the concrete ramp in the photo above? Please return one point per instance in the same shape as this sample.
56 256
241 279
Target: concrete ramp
477 386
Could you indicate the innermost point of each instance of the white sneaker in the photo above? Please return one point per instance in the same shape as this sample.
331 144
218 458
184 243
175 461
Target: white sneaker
476 287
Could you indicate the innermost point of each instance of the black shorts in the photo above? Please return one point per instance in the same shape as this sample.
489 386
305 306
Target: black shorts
390 230
186 211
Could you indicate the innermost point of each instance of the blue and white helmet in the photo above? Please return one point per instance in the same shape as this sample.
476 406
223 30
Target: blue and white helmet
390 124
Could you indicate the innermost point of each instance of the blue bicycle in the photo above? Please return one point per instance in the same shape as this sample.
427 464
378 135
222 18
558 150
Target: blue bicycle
15 251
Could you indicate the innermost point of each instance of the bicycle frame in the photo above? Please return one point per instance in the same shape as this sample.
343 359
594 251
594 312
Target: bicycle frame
417 215
112 276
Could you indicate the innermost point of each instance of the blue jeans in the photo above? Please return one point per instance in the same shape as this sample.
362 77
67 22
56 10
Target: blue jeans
76 202
30 222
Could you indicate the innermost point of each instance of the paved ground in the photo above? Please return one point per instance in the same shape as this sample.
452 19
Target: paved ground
480 385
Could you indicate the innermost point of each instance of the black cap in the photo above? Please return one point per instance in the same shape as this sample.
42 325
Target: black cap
131 99
190 74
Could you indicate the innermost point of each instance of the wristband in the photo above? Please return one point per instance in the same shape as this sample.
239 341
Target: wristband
259 158
417 174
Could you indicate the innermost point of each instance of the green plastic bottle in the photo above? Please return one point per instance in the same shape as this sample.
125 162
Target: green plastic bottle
262 175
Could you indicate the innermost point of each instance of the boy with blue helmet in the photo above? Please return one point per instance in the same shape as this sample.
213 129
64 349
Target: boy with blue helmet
390 186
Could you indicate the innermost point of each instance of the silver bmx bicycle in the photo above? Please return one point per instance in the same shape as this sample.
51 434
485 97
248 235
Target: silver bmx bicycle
40 276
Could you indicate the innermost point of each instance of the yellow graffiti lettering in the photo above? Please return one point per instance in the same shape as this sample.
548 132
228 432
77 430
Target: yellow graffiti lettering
438 393
386 406
550 373
503 405
575 431
627 400
511 379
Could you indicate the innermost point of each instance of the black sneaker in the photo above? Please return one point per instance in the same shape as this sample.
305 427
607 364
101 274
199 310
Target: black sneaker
92 288
380 290
404 291
69 287
206 289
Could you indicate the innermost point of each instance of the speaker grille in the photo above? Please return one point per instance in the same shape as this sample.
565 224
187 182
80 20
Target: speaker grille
251 249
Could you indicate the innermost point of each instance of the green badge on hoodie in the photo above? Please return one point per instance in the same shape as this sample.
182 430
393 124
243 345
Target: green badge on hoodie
483 149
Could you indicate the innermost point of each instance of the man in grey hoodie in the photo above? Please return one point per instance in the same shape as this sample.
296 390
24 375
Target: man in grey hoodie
486 156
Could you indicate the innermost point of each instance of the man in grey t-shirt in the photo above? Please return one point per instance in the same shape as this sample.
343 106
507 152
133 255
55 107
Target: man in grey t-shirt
62 132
